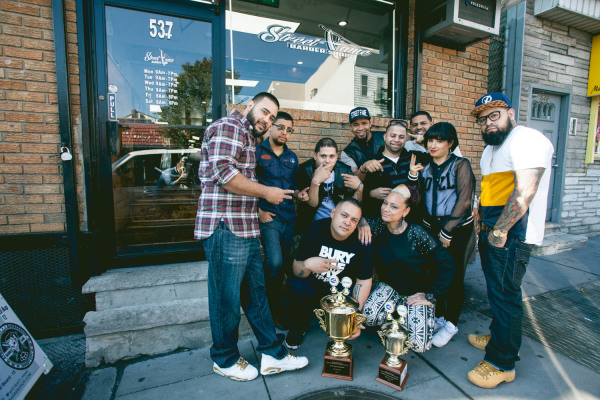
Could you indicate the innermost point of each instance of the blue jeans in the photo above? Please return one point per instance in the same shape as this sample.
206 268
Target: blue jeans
277 240
504 269
235 277
305 296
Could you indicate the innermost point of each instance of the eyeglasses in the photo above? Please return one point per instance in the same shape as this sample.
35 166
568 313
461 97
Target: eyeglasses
400 122
282 128
493 116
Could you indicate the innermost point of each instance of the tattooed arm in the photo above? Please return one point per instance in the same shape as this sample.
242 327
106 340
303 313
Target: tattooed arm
527 182
361 291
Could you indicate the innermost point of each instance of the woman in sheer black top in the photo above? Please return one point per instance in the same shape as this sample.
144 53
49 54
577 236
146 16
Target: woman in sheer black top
447 186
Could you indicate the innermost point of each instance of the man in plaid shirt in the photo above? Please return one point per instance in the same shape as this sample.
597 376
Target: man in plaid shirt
227 226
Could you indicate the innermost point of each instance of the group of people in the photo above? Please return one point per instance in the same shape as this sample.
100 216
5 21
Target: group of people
395 211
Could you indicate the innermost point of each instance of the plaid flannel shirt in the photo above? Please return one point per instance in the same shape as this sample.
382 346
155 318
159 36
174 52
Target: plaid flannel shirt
228 148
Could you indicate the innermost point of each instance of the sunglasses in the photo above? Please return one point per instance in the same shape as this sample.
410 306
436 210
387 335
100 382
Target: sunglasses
400 122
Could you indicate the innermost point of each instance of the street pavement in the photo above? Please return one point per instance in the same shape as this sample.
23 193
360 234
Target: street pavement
546 371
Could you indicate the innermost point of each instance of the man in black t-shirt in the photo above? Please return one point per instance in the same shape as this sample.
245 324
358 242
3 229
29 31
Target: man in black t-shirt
329 247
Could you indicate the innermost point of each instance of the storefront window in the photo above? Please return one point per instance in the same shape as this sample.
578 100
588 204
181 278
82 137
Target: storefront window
330 55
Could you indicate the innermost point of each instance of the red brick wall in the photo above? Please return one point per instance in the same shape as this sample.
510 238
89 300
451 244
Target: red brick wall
451 82
31 190
311 126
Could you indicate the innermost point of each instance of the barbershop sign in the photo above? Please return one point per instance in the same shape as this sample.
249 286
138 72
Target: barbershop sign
333 43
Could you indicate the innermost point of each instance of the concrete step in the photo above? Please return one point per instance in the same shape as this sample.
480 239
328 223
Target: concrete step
558 242
551 227
148 311
137 286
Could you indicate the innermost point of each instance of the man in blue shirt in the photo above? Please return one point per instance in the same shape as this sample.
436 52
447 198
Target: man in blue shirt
277 166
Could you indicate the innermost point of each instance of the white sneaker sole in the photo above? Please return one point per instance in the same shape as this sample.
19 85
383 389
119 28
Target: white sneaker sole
235 378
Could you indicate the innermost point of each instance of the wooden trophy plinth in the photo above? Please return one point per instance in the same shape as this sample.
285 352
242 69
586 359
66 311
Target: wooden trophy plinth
394 377
337 367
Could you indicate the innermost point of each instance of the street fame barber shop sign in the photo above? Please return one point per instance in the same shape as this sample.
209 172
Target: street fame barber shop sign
23 361
333 44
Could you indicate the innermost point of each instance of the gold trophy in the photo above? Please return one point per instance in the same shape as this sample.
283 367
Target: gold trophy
392 370
341 321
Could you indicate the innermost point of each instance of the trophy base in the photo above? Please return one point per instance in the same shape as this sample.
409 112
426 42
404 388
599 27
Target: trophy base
394 377
337 367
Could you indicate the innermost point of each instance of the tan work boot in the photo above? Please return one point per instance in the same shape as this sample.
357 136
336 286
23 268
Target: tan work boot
486 376
479 341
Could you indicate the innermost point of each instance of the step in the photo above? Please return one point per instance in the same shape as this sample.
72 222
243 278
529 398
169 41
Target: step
551 227
558 242
148 311
126 278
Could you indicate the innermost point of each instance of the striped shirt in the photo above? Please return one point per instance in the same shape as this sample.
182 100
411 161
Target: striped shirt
228 149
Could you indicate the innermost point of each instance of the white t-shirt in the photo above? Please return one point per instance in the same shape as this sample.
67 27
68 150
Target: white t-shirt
524 148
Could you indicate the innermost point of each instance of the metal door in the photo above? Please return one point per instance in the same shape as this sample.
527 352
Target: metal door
544 116
159 80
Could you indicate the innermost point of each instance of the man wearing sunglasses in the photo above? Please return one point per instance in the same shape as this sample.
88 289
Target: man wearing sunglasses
277 165
515 166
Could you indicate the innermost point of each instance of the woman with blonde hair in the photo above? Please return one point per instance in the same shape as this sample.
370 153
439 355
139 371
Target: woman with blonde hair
412 266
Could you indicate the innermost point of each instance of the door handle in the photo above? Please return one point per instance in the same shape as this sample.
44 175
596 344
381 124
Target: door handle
113 137
554 165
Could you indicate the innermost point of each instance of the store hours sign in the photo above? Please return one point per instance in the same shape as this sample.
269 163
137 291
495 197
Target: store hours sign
23 361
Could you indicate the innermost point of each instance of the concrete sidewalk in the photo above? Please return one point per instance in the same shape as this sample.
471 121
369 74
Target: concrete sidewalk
546 371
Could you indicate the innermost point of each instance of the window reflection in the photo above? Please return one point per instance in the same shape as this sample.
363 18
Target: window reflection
160 87
303 55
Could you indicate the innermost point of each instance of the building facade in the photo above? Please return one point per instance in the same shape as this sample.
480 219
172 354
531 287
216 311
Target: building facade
97 98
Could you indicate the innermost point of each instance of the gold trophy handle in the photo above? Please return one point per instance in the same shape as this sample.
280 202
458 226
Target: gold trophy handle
320 313
358 320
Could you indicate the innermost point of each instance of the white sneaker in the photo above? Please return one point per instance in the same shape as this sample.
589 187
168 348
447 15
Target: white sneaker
439 324
443 336
270 365
240 371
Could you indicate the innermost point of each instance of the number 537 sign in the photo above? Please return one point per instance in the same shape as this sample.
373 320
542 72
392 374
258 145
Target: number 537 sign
23 361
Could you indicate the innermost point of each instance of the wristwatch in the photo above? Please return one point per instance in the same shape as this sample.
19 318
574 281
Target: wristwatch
430 297
498 233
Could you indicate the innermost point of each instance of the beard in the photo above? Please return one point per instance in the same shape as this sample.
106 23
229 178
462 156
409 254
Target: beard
498 137
253 119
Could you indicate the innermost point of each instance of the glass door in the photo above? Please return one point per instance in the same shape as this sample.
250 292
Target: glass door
160 90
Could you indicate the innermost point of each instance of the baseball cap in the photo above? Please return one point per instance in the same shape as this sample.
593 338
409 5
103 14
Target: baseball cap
358 113
490 100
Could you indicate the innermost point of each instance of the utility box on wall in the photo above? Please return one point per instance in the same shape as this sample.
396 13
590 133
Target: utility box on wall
458 23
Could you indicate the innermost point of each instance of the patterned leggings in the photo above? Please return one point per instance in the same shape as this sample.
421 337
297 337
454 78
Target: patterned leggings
419 321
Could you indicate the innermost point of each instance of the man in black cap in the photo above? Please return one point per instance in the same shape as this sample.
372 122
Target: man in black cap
515 166
365 144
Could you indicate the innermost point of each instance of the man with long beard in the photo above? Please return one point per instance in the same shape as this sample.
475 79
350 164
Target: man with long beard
227 226
515 166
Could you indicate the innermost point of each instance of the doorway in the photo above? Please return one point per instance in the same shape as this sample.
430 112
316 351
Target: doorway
159 78
548 114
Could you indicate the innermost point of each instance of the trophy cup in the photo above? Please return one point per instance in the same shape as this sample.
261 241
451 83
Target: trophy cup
341 321
393 370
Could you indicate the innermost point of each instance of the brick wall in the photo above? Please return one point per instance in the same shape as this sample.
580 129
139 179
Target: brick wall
31 179
31 190
558 56
451 82
311 126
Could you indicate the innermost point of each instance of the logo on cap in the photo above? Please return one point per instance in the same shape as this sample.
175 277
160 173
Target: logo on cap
486 99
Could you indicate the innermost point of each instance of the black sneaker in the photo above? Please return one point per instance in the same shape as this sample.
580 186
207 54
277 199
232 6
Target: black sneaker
294 339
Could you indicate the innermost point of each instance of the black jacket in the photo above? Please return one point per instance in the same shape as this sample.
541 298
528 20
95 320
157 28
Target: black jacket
362 152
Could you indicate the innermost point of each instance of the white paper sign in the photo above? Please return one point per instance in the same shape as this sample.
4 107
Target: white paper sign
23 361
